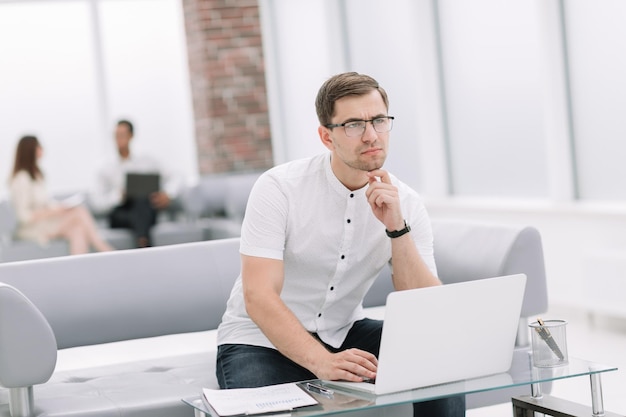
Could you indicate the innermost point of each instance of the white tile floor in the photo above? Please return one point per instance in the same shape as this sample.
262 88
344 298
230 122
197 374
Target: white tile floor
593 338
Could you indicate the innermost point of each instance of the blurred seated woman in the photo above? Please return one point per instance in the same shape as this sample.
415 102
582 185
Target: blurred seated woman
41 218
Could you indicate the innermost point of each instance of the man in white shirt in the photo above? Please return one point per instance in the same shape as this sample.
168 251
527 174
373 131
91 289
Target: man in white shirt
315 236
136 213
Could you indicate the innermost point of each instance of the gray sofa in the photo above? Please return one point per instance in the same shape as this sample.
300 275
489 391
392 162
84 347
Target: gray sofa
211 209
217 203
168 231
50 306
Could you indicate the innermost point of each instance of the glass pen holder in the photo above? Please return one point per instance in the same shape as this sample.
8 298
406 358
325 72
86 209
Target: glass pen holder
549 343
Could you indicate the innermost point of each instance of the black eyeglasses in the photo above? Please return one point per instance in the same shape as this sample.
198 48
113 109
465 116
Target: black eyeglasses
357 127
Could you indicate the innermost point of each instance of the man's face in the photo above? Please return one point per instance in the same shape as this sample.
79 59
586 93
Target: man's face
368 151
122 137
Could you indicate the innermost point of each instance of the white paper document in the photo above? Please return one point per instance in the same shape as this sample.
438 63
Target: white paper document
250 401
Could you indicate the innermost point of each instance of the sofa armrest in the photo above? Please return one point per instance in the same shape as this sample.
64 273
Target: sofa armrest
28 348
466 251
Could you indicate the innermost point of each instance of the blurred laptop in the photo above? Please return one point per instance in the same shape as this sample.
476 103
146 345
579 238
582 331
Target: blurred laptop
140 185
446 333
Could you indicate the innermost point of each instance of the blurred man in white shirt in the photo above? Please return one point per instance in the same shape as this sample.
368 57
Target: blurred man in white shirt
136 213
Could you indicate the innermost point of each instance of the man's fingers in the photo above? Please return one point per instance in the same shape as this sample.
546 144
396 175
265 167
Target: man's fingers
369 361
361 363
380 173
381 196
376 186
348 376
350 365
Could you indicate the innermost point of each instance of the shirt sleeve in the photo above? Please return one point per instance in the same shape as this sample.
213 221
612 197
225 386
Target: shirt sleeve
264 226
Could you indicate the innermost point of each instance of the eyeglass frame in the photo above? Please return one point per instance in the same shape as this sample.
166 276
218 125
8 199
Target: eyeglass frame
332 126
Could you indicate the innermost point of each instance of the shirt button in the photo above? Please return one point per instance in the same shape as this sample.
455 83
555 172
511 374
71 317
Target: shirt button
349 220
343 256
319 314
351 195
332 288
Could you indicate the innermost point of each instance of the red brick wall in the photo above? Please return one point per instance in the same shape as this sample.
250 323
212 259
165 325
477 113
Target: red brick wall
228 85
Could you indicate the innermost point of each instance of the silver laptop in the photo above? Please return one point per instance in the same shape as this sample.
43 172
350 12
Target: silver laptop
447 333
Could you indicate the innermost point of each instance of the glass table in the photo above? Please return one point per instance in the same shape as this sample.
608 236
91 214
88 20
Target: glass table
520 373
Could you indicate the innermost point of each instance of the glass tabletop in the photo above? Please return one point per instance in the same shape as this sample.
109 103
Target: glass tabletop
520 373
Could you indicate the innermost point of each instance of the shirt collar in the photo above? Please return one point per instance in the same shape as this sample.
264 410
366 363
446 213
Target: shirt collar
336 184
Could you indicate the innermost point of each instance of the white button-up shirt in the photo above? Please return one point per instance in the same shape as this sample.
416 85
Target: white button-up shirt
330 242
111 181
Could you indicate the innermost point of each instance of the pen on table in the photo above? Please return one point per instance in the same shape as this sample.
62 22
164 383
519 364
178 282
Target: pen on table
318 389
547 337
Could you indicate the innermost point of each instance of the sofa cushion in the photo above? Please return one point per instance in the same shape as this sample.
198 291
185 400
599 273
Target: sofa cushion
218 202
121 295
137 389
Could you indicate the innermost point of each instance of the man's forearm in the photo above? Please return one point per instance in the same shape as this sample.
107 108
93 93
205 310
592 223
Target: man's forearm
409 269
286 333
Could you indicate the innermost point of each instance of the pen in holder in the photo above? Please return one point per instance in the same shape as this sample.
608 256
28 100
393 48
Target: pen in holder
549 343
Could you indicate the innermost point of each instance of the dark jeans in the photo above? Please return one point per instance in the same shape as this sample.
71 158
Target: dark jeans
136 214
245 366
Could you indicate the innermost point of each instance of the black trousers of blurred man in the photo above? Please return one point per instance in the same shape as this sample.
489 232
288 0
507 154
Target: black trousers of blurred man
138 215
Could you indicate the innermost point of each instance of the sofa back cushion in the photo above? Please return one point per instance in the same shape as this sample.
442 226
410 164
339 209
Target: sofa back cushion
219 195
121 295
129 294
8 220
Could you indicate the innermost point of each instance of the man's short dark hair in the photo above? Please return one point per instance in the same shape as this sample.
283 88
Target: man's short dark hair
343 85
128 124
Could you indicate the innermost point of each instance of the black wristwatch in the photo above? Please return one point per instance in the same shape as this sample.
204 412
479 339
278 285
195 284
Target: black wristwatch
398 233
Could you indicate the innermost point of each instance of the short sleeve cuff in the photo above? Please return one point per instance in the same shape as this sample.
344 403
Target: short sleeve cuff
261 252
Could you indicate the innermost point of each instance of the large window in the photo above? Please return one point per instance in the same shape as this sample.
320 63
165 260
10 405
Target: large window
147 77
491 72
596 34
374 52
48 87
71 68
507 99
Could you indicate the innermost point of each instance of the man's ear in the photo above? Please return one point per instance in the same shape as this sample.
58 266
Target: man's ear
327 141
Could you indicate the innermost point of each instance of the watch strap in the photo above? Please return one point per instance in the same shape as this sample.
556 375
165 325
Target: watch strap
398 233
